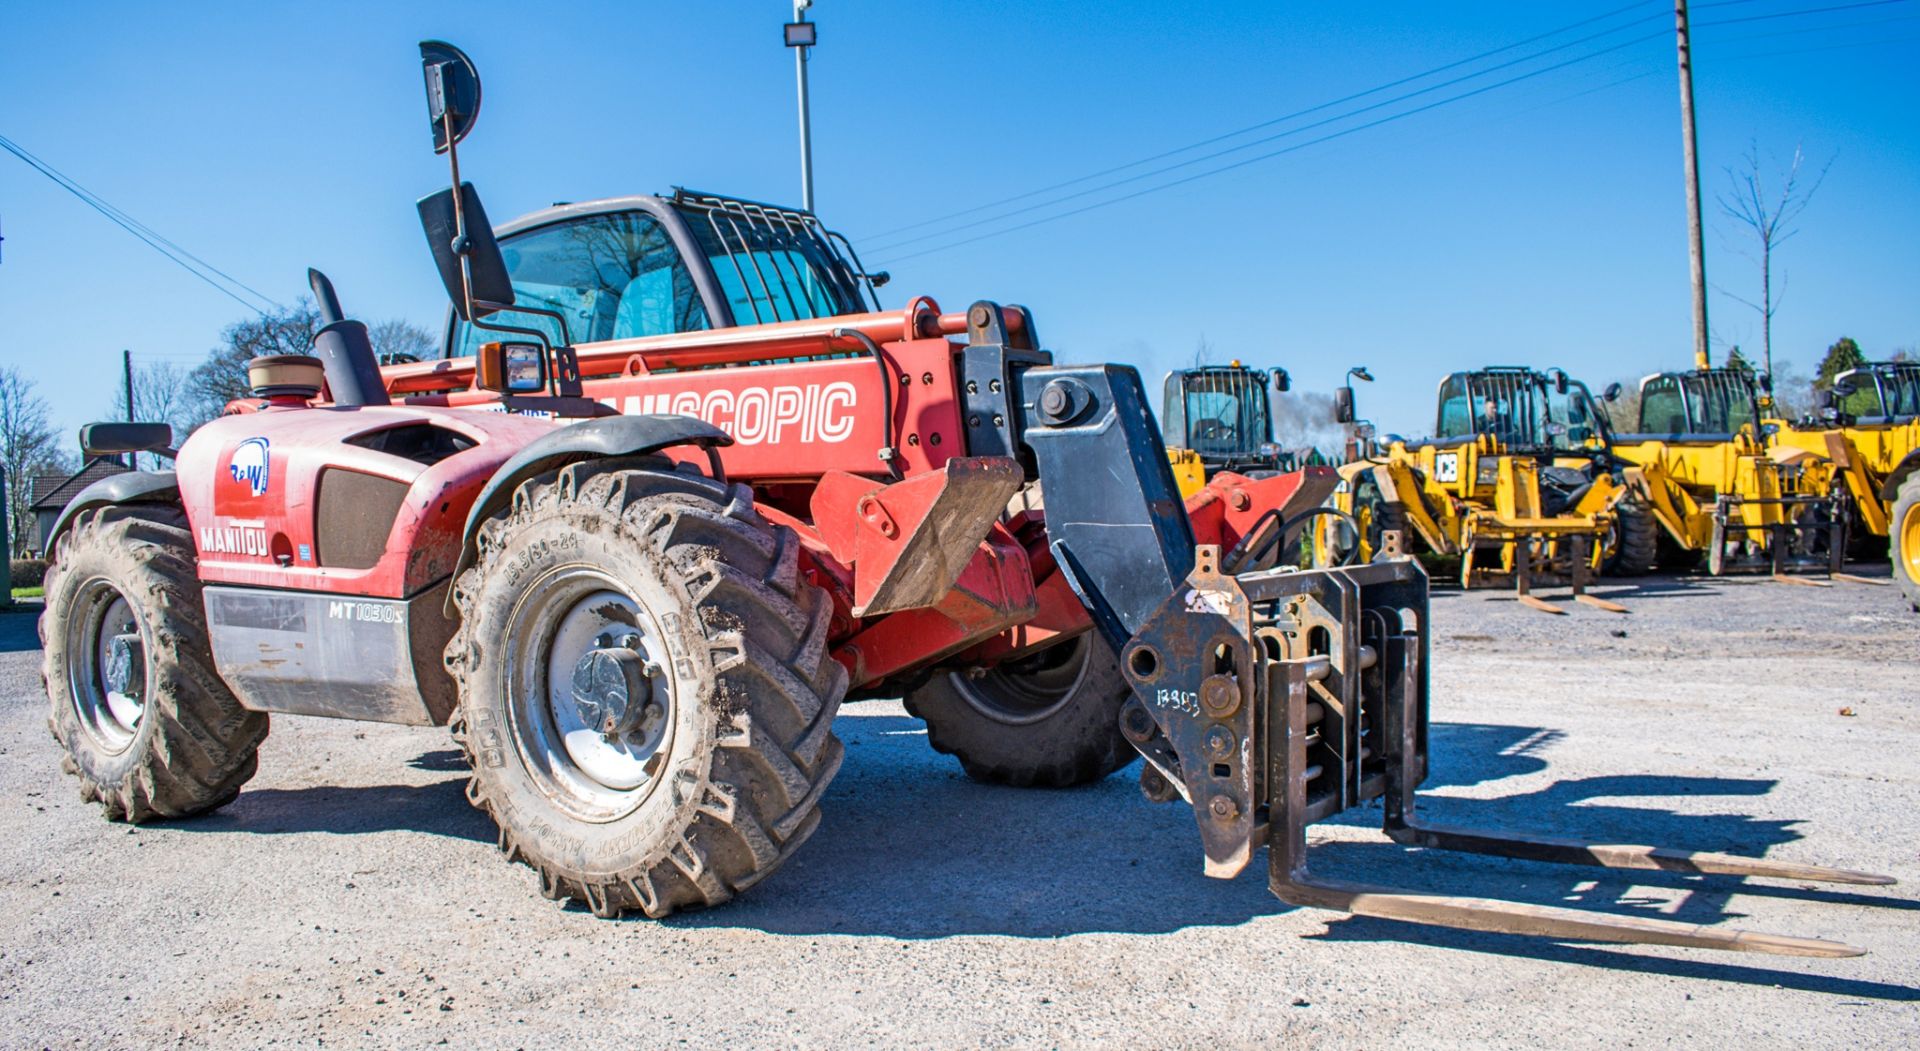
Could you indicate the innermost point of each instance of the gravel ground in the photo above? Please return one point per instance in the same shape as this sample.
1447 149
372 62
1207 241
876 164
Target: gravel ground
350 897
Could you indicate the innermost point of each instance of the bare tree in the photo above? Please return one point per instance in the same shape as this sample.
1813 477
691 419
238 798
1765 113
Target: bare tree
1769 213
27 447
402 340
160 395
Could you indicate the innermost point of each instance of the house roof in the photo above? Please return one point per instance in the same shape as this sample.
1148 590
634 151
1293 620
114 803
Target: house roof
51 492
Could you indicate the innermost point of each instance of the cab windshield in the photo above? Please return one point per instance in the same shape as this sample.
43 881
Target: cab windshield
1886 390
1521 409
1227 414
612 276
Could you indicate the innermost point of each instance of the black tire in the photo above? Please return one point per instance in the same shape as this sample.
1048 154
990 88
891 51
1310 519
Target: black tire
1050 719
732 785
1903 536
184 745
1375 515
1635 547
1673 558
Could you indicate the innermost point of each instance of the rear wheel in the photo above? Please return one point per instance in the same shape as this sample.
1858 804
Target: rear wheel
147 725
1049 719
645 694
1633 547
1904 538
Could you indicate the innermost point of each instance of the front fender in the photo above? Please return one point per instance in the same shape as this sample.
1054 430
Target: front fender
131 487
1900 473
595 439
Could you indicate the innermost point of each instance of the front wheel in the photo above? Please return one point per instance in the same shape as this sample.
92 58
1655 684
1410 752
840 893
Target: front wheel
1633 544
1904 538
1049 719
645 693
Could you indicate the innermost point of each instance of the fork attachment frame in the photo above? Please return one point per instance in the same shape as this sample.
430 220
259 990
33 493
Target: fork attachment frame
1275 699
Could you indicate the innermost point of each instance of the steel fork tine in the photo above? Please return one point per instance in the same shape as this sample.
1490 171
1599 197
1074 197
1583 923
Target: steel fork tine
1506 917
1620 856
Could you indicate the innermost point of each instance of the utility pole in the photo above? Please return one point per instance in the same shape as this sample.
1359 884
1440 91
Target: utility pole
800 36
126 373
1690 142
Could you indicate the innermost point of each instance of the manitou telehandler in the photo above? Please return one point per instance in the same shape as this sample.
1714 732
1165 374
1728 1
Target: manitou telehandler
640 627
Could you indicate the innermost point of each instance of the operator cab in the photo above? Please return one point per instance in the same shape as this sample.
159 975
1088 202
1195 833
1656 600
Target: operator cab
636 266
1705 404
1222 413
1879 392
1526 410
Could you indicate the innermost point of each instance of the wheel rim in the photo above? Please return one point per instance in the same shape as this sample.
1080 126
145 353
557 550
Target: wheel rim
108 678
570 637
1910 543
1031 688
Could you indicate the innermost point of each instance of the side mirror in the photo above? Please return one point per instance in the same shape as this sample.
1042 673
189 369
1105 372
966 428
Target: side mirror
1281 381
486 268
512 368
1766 383
453 92
115 439
1560 384
1612 393
1822 399
1343 404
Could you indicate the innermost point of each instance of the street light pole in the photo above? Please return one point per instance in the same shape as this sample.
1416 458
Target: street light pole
800 36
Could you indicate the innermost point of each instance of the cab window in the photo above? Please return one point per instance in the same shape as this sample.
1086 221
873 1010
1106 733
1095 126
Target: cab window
1456 413
612 276
1662 410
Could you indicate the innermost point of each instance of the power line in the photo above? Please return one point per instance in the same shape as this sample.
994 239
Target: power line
146 234
1265 123
892 260
1323 122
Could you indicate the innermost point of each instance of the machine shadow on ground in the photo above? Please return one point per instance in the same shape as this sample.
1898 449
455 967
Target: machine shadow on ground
909 848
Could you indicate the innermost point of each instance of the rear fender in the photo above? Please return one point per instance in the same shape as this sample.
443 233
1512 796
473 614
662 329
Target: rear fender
595 439
132 487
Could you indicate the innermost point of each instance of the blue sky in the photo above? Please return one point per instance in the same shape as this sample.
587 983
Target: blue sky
1538 223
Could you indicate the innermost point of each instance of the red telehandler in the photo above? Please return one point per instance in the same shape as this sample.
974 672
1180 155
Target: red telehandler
639 625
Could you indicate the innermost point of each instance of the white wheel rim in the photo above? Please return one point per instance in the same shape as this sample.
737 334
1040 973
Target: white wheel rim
560 619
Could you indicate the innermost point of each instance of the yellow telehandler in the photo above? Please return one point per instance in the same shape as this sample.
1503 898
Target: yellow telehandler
1217 418
1723 491
1516 484
1868 426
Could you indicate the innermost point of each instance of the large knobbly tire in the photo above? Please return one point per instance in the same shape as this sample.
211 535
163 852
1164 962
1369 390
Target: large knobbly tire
148 727
1050 719
717 789
1635 547
1903 536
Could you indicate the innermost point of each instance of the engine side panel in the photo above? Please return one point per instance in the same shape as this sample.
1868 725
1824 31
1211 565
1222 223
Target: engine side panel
252 488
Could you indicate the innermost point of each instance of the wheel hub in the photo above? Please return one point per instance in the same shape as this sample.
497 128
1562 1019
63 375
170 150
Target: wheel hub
613 687
126 668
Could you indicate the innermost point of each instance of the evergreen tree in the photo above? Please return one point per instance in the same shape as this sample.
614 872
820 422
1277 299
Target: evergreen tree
1843 355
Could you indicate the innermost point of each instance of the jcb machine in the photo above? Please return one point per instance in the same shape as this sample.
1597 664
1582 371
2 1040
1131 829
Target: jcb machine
1868 426
640 627
1490 488
1217 418
1702 463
